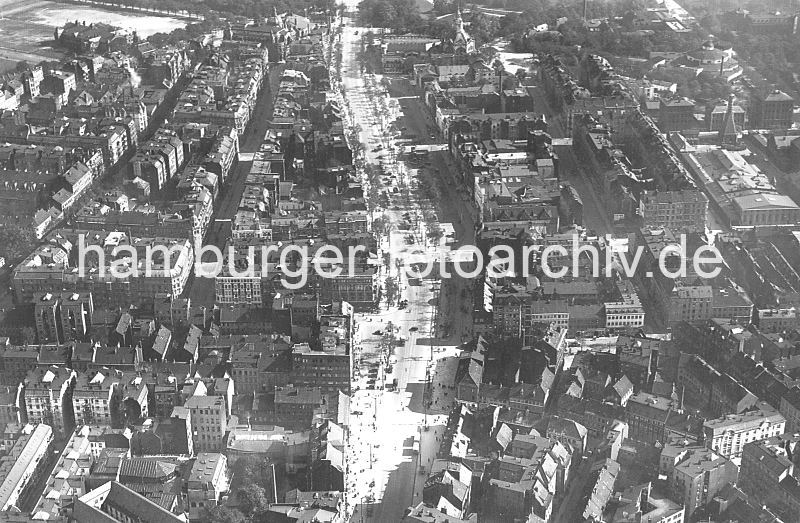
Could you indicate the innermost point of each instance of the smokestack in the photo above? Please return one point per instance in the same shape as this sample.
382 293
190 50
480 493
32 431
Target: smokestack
136 80
585 9
728 124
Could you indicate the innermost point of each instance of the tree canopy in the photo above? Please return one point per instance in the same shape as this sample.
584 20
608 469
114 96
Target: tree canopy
252 499
16 241
400 15
223 514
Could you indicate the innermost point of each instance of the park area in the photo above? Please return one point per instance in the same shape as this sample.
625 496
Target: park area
26 27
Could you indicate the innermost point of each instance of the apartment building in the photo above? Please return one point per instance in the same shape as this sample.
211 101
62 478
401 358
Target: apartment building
47 398
698 475
16 361
97 398
790 409
358 286
169 276
768 473
680 211
63 317
690 303
208 481
294 406
771 110
729 434
68 478
209 419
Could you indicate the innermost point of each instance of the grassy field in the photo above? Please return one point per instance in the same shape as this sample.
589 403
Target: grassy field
26 27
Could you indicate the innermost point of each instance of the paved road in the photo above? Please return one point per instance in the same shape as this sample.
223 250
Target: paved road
383 466
595 215
227 204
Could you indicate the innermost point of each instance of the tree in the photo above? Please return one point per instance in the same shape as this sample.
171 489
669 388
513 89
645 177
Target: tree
380 226
443 7
483 28
252 499
16 241
434 231
28 335
401 15
222 514
247 469
391 289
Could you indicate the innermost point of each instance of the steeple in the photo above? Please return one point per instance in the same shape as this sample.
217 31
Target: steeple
463 42
275 20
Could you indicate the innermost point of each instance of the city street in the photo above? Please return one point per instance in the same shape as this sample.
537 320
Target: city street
394 436
227 204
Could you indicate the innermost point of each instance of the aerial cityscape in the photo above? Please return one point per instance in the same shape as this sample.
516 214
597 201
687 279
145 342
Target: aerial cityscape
300 261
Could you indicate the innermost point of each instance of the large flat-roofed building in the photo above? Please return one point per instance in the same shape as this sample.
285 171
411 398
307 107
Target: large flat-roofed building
627 312
766 209
730 303
676 114
360 289
328 369
518 312
694 303
773 110
771 22
738 188
778 320
680 211
327 365
690 303
273 443
294 406
208 481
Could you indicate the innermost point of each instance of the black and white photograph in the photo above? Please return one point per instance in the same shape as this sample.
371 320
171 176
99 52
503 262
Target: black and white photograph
400 261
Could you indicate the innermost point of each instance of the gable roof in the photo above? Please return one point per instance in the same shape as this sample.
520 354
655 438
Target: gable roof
470 367
113 495
623 387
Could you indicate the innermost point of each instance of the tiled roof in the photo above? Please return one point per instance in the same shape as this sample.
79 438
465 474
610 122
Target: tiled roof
147 468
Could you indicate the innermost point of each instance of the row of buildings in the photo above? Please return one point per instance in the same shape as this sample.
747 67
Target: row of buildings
149 399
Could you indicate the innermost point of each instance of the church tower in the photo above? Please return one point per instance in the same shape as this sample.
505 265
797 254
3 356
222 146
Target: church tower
463 43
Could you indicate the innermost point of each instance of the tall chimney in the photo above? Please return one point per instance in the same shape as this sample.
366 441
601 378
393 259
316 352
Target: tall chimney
728 124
